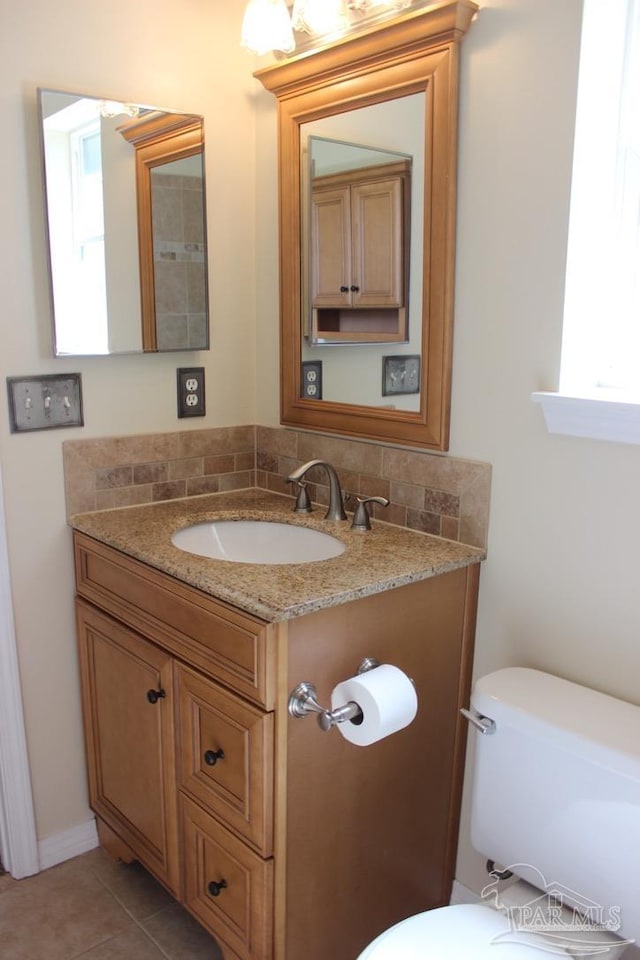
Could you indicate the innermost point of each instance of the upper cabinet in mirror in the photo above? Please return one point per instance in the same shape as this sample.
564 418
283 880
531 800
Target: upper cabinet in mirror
358 201
125 206
382 367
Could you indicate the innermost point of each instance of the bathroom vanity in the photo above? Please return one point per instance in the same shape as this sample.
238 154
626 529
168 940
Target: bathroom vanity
282 840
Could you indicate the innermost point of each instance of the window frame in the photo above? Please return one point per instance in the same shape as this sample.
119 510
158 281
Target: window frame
595 401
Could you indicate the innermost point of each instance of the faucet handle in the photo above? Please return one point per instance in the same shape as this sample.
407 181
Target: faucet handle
303 501
361 519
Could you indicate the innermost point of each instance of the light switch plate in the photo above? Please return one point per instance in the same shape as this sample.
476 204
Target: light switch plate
45 402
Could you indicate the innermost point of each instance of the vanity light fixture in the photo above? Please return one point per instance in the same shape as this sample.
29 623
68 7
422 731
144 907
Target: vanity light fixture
268 24
318 17
113 108
367 7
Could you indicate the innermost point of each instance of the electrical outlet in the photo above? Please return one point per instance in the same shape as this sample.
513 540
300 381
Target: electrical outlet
191 392
312 379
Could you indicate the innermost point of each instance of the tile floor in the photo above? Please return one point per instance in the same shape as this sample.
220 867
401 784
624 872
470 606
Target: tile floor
96 909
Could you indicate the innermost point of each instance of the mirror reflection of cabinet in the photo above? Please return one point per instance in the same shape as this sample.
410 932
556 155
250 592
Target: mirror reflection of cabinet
415 53
359 224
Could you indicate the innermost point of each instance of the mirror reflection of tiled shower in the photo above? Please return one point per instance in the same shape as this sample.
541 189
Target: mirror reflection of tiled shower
179 254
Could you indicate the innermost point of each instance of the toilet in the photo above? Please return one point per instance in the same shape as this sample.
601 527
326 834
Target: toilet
556 801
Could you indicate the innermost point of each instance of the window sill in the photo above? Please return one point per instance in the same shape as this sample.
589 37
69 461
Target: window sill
597 418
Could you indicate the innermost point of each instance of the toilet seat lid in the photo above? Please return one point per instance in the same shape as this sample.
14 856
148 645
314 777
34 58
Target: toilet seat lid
461 932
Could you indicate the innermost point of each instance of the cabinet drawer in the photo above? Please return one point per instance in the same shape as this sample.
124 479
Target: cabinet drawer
238 650
236 786
239 911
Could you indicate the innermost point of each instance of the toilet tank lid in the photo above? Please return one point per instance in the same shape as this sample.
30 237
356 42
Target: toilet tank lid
550 706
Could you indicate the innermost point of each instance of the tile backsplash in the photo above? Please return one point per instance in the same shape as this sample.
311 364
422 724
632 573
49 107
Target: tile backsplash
443 495
437 494
122 471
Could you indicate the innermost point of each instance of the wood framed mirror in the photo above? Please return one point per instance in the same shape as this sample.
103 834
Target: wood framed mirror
411 58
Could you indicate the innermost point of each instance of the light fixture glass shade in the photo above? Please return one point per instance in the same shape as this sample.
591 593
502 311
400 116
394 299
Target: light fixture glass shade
391 4
114 108
365 7
267 26
319 16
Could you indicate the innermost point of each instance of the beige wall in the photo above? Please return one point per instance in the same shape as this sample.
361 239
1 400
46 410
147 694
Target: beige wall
558 590
179 53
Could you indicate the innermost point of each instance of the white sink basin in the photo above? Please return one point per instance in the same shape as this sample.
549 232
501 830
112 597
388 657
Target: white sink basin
257 541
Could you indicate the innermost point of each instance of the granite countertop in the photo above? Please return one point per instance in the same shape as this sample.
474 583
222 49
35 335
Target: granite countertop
382 558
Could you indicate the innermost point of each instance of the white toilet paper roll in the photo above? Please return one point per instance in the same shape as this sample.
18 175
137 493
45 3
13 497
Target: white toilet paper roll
388 701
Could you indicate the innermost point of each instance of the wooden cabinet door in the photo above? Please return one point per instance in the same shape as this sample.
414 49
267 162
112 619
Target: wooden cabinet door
128 711
358 244
331 248
377 230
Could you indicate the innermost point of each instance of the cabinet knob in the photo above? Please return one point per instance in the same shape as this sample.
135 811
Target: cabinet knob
344 289
211 757
214 887
154 695
355 289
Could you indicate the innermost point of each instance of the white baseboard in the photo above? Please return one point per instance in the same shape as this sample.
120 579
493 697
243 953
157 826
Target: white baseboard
462 894
70 843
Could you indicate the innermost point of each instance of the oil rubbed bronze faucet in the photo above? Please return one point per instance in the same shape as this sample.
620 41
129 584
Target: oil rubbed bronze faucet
336 502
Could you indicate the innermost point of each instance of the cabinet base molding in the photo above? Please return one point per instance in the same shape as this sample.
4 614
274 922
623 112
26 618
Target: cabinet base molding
112 843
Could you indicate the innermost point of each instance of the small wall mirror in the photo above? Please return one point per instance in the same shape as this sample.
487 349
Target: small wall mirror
380 370
125 212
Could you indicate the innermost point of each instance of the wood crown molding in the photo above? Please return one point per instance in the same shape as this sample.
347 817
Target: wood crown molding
405 37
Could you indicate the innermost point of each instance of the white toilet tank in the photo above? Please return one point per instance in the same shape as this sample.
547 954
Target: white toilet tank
556 792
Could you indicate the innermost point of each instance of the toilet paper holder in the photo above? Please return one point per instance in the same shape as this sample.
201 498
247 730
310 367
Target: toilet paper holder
303 701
